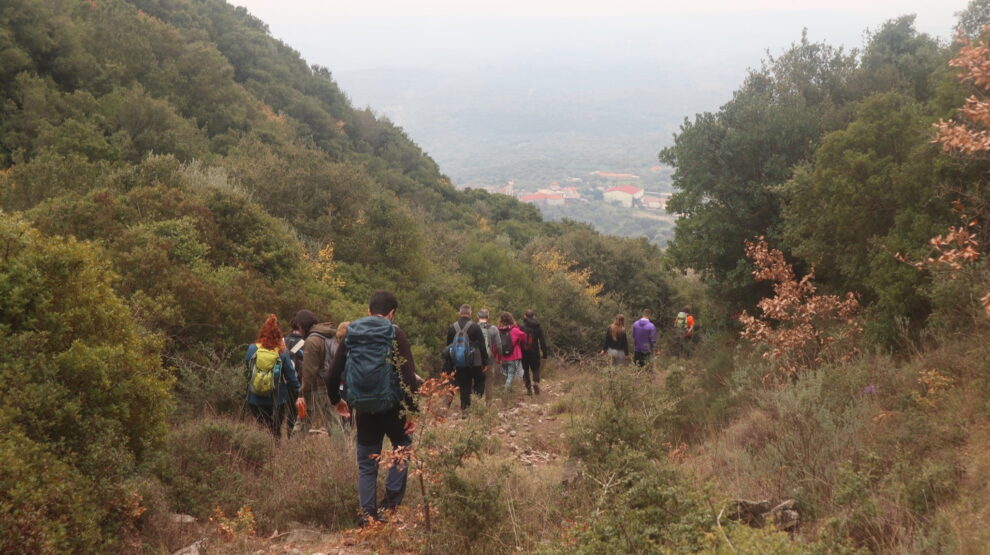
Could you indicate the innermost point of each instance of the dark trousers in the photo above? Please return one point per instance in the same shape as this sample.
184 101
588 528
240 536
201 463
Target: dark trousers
641 358
531 365
271 416
469 380
371 430
290 414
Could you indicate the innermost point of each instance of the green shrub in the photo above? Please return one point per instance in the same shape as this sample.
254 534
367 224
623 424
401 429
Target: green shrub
218 462
84 395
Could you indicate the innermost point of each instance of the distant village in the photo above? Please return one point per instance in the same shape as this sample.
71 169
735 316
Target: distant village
619 189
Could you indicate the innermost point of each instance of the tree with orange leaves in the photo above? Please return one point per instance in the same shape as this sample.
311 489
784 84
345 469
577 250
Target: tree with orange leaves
799 328
968 136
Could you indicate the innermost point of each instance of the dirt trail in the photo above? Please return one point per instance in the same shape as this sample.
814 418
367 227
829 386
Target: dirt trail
530 434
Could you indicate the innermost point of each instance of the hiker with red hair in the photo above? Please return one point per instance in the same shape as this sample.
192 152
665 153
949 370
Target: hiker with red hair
271 377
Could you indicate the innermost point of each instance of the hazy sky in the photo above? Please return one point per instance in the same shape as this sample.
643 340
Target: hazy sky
485 86
431 33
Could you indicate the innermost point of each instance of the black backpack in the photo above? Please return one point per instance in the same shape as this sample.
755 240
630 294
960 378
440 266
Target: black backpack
506 336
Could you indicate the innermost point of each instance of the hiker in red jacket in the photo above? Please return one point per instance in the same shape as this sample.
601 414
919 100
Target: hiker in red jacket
510 354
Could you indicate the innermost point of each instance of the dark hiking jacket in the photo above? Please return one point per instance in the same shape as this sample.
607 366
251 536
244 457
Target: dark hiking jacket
532 327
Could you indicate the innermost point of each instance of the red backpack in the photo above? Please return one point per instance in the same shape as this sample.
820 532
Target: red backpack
529 342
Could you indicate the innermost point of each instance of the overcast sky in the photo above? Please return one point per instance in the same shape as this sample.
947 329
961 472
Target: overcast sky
369 34
486 84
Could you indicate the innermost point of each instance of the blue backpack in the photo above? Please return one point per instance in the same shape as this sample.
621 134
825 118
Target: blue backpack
460 349
370 373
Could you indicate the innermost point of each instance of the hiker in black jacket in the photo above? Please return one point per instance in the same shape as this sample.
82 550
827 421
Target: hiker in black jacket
469 378
617 342
534 345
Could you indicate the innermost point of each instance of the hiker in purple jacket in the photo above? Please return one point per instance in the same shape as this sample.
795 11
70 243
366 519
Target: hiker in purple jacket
644 338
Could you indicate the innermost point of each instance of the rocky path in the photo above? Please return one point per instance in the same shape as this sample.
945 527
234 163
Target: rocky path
531 433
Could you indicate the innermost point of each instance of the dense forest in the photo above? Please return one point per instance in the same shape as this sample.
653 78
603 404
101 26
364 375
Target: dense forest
170 175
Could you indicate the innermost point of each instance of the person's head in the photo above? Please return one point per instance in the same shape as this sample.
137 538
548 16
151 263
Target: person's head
270 336
303 321
530 315
465 311
342 330
506 319
686 309
618 326
383 303
483 315
647 313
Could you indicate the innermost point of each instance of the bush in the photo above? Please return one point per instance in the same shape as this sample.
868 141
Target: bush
218 462
84 395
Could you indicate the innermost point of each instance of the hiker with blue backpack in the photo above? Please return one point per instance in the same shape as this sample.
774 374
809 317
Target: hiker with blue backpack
376 361
271 377
468 355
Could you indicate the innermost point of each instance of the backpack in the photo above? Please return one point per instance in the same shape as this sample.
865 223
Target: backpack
461 351
681 321
372 378
329 350
264 371
506 337
485 327
528 342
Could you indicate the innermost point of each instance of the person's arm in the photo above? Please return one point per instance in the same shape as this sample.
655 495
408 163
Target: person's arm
496 341
653 337
624 341
251 350
336 371
289 374
450 335
542 339
407 371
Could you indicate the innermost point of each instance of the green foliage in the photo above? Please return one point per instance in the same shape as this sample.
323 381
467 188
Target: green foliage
218 462
728 163
649 510
973 18
878 179
91 408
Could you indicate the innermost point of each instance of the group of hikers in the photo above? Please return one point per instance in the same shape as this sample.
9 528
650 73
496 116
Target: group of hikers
367 369
645 334
474 347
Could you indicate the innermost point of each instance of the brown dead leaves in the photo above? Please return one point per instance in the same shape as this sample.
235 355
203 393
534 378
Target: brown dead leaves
799 328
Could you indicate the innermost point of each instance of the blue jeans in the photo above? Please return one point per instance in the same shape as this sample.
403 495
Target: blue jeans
511 369
371 430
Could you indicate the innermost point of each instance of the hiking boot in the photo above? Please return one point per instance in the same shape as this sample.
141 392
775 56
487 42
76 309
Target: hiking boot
536 388
529 391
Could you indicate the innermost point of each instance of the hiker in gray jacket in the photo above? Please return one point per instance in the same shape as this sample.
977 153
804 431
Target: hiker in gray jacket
493 343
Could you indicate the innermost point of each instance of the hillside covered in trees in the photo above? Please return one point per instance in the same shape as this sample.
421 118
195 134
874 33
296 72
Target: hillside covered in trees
170 175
